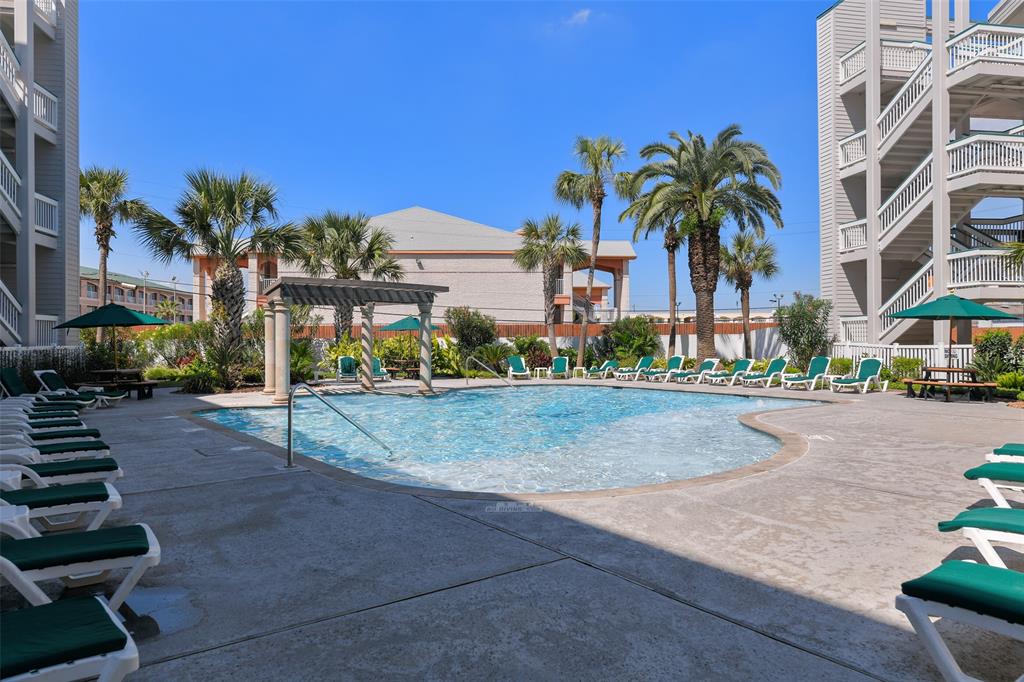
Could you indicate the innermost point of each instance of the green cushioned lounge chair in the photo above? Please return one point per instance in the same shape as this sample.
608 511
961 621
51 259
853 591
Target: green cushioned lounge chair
602 372
559 367
699 373
44 424
764 379
869 370
87 504
73 639
36 435
11 386
633 373
55 383
986 597
817 370
986 525
347 369
673 366
738 371
15 443
995 477
1007 452
78 558
41 474
378 372
517 367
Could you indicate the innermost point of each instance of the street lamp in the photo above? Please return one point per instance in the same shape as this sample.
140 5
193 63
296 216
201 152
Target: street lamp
777 300
145 282
174 296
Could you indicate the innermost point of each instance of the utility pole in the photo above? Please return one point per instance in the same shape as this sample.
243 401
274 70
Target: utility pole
174 296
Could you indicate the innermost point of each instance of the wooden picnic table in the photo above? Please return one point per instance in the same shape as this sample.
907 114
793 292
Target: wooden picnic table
117 374
928 384
125 380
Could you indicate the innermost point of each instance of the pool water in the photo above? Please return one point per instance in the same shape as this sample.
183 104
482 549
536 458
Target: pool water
530 439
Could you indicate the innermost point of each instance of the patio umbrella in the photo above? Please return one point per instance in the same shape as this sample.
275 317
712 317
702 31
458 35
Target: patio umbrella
951 308
112 315
406 324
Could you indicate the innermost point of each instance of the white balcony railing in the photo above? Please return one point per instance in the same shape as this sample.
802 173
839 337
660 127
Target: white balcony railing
899 203
913 90
853 329
852 149
44 107
986 43
853 235
47 214
852 63
47 9
913 292
10 310
46 335
896 56
984 268
10 183
996 152
265 283
11 69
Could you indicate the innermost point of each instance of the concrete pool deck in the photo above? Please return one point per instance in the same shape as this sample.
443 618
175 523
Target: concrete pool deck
787 573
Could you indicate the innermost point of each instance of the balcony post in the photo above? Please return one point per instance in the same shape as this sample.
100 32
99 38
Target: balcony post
24 145
872 168
269 378
940 161
366 347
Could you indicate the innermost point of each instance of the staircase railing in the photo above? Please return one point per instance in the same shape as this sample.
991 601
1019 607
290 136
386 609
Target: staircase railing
913 90
913 292
984 267
916 186
10 310
997 231
309 389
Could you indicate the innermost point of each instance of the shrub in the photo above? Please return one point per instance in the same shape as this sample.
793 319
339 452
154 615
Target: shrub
988 366
198 377
632 338
524 344
1011 380
995 352
172 343
840 366
163 373
758 366
252 374
68 361
538 357
906 368
130 353
445 359
301 360
804 327
405 347
471 328
493 355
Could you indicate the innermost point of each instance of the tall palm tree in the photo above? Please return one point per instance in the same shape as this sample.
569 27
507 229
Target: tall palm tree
225 218
101 196
597 157
672 238
550 245
344 246
706 184
740 262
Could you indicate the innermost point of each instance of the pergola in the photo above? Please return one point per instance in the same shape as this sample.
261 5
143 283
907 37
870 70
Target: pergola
329 293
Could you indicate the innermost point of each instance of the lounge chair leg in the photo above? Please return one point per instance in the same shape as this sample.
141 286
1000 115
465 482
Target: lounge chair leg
994 492
128 584
985 548
932 640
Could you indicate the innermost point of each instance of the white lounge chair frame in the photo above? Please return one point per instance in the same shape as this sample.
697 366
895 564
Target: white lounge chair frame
809 384
765 381
99 401
983 539
666 374
88 477
600 373
82 573
865 384
21 448
994 490
699 377
18 434
731 379
630 373
45 516
525 374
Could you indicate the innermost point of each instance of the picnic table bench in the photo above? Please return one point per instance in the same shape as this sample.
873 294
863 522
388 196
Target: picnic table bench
143 388
928 386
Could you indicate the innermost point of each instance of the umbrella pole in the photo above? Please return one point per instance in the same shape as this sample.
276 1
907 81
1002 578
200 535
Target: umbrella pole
949 353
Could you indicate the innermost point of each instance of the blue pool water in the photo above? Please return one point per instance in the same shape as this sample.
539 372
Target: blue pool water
531 439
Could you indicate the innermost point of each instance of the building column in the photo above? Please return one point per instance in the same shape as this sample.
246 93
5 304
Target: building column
873 167
269 349
622 302
961 15
253 275
617 293
425 349
282 352
940 162
366 347
24 164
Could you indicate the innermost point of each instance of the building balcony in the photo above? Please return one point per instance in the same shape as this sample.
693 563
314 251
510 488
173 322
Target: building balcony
853 235
898 58
10 312
852 148
10 70
45 108
46 335
47 215
10 188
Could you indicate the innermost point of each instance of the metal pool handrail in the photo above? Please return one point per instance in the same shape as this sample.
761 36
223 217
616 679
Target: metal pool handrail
350 420
466 368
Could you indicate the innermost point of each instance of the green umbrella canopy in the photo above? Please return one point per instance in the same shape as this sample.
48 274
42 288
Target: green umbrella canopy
406 324
952 308
111 315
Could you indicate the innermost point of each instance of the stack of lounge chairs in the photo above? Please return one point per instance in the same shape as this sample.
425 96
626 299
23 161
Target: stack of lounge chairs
56 494
986 595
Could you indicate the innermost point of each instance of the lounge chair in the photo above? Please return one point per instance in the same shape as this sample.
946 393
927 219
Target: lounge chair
45 503
559 367
15 445
12 419
764 379
986 525
1008 452
602 372
633 373
995 477
517 367
49 435
672 367
347 369
739 369
870 369
378 372
695 376
817 370
54 383
73 639
986 597
13 388
77 558
66 472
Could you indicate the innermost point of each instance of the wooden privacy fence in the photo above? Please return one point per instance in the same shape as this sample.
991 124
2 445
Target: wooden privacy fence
509 330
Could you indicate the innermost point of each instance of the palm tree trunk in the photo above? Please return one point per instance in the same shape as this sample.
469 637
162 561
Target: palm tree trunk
745 310
104 248
342 321
703 253
672 301
227 294
550 275
594 242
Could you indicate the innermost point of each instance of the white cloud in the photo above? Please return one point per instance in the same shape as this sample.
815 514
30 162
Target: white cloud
578 18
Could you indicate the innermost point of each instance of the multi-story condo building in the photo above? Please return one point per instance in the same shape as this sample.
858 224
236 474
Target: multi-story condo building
138 293
921 158
38 169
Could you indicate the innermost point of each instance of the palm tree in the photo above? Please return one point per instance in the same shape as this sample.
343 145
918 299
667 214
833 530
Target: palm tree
703 185
225 218
550 245
746 258
671 240
597 158
167 309
1016 252
344 246
101 196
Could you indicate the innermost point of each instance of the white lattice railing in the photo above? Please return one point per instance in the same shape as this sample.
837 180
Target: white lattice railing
912 91
986 42
46 335
10 309
997 152
984 267
853 148
913 189
265 283
930 356
913 292
853 235
852 63
11 68
48 10
896 56
44 106
10 182
854 329
47 214
1002 230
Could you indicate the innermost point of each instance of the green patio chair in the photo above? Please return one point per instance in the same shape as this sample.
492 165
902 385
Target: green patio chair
55 383
347 369
602 372
985 525
816 370
11 386
764 379
739 369
517 367
64 472
378 372
672 367
697 375
869 370
995 477
559 367
633 373
63 507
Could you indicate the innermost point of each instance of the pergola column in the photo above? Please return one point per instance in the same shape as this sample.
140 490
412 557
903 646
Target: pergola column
366 349
425 349
269 378
282 350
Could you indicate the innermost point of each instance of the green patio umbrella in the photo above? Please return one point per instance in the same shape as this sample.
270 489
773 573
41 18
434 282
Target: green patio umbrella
951 308
111 315
406 324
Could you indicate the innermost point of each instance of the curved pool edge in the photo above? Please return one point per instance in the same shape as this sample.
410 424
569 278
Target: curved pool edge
793 446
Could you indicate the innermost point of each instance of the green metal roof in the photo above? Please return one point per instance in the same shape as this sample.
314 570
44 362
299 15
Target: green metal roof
117 277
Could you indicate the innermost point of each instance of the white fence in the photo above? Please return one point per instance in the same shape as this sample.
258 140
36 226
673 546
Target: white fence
69 361
930 356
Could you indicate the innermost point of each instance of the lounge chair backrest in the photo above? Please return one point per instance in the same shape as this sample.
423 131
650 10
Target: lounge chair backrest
674 362
776 365
742 365
51 380
708 365
11 383
376 366
869 367
611 364
516 364
560 364
645 362
819 365
347 365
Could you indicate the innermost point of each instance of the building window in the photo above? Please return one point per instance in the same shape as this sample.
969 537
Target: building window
92 291
131 296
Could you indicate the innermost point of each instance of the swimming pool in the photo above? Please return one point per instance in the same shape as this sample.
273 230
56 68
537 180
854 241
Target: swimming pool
531 439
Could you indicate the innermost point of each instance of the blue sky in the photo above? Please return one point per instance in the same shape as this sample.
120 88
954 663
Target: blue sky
465 108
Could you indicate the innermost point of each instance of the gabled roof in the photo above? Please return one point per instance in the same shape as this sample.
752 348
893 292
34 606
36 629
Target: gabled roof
579 280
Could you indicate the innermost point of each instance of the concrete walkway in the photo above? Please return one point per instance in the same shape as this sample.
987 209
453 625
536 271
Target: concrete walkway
787 574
